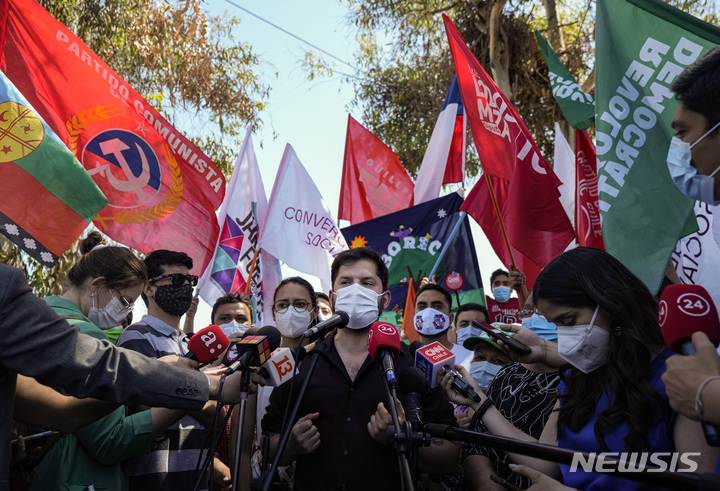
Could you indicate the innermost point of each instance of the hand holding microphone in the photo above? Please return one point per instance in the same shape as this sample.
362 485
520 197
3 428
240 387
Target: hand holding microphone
685 312
207 344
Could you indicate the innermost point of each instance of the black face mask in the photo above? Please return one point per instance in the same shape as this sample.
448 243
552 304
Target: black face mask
174 300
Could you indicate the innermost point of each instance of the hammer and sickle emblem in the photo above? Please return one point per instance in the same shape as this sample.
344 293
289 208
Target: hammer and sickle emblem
116 147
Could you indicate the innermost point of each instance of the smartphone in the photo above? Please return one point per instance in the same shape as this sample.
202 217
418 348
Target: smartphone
516 346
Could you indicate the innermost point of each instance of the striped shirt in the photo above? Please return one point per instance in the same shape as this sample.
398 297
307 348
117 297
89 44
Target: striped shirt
174 457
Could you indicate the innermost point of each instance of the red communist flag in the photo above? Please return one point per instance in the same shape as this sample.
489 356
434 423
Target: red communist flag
374 182
587 208
525 186
162 190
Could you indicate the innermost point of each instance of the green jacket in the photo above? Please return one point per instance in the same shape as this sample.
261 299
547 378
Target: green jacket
93 454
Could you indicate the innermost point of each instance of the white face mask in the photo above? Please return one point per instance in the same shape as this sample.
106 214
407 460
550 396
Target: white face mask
430 321
360 303
586 347
685 176
292 323
110 316
233 327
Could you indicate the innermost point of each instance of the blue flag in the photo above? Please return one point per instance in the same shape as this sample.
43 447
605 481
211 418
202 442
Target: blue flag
414 238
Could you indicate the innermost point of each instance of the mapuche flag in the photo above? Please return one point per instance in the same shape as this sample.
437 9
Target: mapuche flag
414 238
642 46
162 190
48 198
525 187
374 182
577 106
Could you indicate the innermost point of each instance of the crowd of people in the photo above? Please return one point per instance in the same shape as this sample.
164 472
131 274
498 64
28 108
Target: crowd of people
119 405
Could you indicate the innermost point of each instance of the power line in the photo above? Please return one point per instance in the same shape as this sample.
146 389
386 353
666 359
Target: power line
289 33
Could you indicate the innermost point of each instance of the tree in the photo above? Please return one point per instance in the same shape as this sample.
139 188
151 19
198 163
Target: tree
185 63
404 66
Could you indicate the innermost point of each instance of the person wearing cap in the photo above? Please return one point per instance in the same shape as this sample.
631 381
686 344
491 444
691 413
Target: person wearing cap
524 394
488 358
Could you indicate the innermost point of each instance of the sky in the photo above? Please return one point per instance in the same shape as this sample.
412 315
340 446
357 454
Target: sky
309 115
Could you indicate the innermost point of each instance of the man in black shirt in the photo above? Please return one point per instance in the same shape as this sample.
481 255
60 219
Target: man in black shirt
339 441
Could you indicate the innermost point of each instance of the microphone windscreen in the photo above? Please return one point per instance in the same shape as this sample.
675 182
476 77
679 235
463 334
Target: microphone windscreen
273 335
684 310
431 359
383 336
411 379
208 343
414 346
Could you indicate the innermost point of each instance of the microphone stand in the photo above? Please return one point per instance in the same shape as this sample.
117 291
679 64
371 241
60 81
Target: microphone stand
244 389
401 440
665 479
285 435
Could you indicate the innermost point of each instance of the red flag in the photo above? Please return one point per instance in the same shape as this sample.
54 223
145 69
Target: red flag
525 186
162 190
374 182
587 209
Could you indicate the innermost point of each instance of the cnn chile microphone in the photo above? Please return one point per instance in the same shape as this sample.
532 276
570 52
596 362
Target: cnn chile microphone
682 311
434 358
384 347
338 320
207 344
253 350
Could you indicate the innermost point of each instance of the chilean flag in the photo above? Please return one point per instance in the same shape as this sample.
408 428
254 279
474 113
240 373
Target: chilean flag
444 160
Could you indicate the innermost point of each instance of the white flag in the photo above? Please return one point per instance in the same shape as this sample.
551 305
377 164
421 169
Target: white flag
564 168
299 228
697 257
446 148
244 207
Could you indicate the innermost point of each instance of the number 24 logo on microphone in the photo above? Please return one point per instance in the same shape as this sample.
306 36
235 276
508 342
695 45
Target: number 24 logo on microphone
693 304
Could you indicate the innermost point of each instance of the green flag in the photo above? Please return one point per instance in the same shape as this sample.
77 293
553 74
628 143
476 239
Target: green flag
577 106
642 46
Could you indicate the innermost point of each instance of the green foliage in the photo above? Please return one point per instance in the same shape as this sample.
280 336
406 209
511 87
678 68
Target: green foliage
185 63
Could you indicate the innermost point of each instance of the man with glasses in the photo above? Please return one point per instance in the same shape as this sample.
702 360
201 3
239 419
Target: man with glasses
168 295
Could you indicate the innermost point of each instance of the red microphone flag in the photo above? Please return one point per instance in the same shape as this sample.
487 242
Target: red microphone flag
684 310
208 343
383 336
374 182
526 188
162 190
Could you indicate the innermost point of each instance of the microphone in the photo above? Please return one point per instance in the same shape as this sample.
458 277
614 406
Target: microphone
254 350
435 357
207 344
280 367
338 320
384 347
682 311
411 382
431 359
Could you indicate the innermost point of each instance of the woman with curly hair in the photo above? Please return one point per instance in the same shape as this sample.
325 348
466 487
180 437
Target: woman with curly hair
612 398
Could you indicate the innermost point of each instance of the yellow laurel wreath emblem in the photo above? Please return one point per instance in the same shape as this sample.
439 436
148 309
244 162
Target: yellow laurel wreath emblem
75 126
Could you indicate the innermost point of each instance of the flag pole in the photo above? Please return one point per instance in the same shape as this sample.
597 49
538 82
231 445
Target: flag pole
521 293
251 271
447 243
